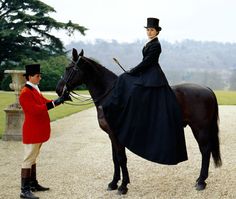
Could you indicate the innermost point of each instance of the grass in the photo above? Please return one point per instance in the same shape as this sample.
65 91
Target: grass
226 97
7 98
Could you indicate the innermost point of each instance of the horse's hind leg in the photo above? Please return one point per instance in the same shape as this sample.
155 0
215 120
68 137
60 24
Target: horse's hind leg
203 139
200 183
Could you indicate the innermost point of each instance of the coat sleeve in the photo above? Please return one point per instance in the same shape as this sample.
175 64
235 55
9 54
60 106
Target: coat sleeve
45 99
150 57
29 105
49 103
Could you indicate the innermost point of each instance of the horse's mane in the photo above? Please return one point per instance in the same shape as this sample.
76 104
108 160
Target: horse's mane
101 72
99 77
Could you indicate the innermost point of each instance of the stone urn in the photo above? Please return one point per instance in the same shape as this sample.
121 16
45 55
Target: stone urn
14 112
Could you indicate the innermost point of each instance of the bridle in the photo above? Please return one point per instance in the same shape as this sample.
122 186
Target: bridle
81 98
75 68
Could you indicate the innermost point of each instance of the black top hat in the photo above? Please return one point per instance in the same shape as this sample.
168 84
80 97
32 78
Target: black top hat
153 23
32 69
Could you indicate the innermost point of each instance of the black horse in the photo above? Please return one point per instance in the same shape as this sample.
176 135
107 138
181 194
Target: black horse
198 104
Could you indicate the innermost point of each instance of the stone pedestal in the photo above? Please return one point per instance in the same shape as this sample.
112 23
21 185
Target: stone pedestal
14 121
14 112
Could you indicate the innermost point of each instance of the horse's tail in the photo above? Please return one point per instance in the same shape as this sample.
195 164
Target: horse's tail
214 129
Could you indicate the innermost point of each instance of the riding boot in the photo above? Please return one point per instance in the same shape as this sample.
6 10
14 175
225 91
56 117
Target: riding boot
34 185
25 185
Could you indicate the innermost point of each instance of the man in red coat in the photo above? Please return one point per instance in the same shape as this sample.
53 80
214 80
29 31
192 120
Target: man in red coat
36 128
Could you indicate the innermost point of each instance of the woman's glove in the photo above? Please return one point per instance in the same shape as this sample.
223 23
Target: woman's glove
131 72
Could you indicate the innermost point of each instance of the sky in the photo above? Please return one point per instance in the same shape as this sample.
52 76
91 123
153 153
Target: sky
124 20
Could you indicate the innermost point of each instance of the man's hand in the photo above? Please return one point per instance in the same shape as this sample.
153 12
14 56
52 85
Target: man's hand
66 96
63 98
59 100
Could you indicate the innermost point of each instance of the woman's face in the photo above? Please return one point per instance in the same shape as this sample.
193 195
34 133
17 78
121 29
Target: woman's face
152 33
35 79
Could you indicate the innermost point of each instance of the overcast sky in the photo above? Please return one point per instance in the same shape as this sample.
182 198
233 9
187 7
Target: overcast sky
124 20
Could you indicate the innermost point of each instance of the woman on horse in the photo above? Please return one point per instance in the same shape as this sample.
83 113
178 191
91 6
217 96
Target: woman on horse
143 111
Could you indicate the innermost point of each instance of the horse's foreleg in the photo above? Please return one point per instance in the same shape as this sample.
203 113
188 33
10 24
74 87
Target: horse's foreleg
125 174
118 154
120 160
116 177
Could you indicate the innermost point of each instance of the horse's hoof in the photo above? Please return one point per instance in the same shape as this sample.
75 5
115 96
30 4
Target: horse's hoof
200 186
122 190
112 186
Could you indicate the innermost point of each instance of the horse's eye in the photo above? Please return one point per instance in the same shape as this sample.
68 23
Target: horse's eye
75 68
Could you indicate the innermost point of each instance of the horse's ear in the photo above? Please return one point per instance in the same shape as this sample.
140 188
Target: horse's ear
81 53
75 55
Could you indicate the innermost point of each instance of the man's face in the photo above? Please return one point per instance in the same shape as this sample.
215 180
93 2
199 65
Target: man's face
35 79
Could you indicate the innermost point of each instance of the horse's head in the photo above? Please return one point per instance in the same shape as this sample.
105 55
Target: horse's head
98 79
73 75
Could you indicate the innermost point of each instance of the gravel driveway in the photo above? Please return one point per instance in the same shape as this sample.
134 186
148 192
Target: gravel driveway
76 163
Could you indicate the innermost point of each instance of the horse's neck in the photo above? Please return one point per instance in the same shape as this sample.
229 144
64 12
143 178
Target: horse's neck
98 91
101 87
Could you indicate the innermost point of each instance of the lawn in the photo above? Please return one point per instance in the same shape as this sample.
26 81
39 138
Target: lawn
7 98
226 97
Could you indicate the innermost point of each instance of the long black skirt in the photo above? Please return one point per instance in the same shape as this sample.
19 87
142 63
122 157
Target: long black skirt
147 121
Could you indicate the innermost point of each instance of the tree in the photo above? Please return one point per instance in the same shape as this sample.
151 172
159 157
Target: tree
25 32
52 69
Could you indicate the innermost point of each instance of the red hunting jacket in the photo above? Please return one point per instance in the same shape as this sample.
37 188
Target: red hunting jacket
36 127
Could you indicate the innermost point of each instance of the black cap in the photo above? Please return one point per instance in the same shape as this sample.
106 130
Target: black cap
32 69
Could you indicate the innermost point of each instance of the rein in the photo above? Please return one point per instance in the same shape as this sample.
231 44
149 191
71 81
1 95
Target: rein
82 99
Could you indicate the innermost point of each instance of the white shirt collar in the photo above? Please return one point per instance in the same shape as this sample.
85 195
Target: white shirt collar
33 85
